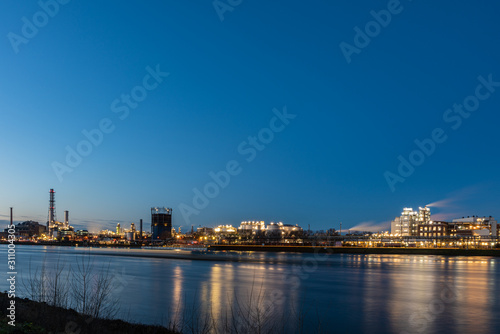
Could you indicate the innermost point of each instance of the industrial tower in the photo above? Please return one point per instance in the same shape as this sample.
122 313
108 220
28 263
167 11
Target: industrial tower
66 219
161 223
52 209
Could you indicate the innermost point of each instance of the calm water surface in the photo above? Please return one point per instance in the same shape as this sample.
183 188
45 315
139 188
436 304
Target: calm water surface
337 293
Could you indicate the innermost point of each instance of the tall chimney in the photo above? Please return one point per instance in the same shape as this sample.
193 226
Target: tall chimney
66 217
11 216
52 207
141 230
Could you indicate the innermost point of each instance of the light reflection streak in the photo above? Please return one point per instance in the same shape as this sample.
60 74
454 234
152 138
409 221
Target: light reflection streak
177 297
427 290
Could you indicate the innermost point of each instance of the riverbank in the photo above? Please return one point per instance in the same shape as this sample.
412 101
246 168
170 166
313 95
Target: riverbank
359 250
73 244
193 253
34 317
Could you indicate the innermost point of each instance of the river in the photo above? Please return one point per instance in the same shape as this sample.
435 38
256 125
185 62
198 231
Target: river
289 292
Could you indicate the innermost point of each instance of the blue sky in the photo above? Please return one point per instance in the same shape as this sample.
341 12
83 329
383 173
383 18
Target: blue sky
225 77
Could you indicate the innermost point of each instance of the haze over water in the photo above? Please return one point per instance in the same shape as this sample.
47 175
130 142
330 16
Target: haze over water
330 293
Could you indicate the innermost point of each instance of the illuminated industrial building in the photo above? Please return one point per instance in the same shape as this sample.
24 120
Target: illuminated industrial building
51 221
131 234
225 229
408 223
203 230
29 229
161 223
433 229
274 229
56 229
412 223
485 226
252 227
289 229
424 215
282 230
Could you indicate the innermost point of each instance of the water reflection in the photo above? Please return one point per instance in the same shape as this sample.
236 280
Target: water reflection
177 299
428 294
238 294
339 293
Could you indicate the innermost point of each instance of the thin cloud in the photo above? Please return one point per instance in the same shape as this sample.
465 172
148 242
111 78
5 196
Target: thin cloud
93 225
96 225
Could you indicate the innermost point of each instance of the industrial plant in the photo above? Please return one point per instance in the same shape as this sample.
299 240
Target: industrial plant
57 230
413 228
419 224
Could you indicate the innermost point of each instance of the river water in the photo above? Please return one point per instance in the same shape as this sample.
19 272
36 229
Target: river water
288 292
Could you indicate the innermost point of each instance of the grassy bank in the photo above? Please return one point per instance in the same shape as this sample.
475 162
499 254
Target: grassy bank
360 250
35 317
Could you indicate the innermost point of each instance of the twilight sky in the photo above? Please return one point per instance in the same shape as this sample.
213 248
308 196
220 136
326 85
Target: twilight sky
316 112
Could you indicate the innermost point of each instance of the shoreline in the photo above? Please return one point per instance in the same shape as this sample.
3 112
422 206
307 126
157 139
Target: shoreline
187 254
36 317
70 244
360 250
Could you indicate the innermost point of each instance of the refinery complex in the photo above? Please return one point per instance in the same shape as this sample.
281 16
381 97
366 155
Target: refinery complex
411 229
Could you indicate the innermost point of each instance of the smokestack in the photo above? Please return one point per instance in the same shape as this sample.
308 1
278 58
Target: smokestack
141 230
52 207
66 217
11 216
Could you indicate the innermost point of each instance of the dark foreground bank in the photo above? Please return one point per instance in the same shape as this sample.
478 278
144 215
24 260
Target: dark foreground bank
360 250
34 317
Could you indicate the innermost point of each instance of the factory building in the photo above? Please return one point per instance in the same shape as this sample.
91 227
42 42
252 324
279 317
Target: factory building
29 229
225 229
486 226
161 223
282 230
412 223
433 229
424 215
56 229
252 227
408 223
289 230
204 230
